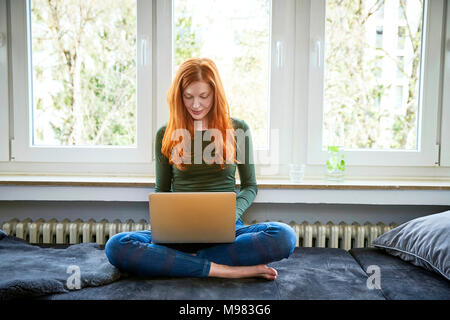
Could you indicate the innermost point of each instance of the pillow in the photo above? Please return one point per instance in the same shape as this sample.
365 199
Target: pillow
424 242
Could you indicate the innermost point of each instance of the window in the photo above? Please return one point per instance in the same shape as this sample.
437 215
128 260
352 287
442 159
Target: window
400 67
398 100
378 70
445 119
252 43
83 58
401 37
379 37
351 93
79 96
4 93
379 9
370 74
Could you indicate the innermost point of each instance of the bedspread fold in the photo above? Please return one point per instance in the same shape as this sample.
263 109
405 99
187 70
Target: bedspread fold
28 270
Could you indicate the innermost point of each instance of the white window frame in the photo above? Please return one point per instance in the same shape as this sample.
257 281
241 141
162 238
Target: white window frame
23 151
270 161
428 149
445 124
4 88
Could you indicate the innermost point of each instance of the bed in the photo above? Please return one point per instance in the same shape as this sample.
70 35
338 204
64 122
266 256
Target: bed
42 272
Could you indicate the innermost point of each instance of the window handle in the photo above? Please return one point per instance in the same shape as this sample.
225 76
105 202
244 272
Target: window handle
279 46
2 39
318 51
144 51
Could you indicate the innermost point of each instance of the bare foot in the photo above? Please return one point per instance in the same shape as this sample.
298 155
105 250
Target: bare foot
224 271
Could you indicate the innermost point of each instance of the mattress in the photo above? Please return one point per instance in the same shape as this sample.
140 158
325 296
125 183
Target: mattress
308 274
401 280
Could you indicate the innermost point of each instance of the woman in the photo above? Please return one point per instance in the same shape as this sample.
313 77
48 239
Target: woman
197 103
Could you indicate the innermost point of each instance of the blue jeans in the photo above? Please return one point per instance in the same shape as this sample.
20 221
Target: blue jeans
259 243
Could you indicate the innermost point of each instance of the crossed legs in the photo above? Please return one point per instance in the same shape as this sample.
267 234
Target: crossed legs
255 246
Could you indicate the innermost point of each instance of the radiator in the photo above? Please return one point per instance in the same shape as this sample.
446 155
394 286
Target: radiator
69 232
329 235
344 236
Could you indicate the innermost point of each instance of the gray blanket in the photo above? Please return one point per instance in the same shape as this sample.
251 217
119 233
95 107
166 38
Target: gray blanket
28 270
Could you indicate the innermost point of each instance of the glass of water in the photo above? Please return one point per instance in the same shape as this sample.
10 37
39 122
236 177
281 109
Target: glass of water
335 165
296 172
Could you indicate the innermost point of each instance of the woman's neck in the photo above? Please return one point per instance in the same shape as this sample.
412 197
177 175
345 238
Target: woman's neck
200 125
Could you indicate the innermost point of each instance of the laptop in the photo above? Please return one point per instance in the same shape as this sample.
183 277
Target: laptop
193 217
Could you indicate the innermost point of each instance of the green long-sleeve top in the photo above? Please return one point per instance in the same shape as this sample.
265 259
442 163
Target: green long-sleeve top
208 177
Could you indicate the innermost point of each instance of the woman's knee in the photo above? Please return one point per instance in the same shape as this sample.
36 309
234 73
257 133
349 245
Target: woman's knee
286 237
113 247
117 246
122 246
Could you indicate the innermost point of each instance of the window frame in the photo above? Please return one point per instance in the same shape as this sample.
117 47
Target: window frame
429 86
4 87
445 118
23 151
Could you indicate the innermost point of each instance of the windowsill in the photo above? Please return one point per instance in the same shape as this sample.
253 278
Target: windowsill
279 183
411 191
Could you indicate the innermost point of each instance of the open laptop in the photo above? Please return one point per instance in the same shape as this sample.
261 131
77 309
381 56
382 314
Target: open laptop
193 217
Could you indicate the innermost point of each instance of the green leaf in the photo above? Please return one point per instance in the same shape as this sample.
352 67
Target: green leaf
341 166
333 148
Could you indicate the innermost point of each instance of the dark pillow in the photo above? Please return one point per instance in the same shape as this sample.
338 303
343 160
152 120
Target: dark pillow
424 242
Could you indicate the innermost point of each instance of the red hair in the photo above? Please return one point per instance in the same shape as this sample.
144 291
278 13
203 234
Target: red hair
192 70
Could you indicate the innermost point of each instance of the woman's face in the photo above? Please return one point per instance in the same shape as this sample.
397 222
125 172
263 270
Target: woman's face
198 99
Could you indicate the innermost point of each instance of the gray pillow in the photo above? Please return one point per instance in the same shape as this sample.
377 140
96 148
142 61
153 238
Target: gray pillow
424 242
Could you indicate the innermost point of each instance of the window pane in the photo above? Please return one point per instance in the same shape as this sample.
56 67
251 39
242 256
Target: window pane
236 36
372 73
400 67
379 37
401 37
398 96
84 72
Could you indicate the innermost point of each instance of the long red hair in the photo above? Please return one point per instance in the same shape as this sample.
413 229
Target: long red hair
192 70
